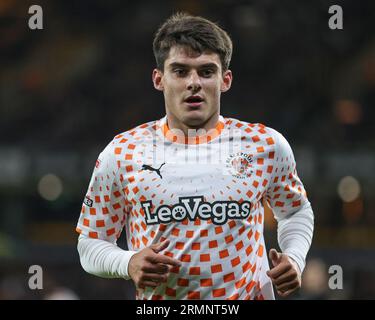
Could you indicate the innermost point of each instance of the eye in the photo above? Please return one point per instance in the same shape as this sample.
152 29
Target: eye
207 73
180 72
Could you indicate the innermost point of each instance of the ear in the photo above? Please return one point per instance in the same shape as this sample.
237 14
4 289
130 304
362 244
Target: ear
227 81
157 79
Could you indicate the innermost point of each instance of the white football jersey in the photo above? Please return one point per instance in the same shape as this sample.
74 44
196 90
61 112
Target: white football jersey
203 193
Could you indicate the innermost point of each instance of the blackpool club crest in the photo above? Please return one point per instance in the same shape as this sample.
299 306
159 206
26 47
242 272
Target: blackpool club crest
240 165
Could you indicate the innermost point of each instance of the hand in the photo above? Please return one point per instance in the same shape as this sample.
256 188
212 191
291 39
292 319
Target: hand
285 274
148 268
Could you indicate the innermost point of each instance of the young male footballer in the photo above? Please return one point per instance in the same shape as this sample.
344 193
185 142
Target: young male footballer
189 189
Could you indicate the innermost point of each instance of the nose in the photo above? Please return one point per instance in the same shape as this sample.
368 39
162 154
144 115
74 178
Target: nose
194 82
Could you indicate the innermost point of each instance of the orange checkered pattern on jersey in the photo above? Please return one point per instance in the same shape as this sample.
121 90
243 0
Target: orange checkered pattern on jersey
226 261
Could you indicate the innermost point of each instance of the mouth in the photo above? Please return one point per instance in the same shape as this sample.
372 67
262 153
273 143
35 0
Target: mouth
194 101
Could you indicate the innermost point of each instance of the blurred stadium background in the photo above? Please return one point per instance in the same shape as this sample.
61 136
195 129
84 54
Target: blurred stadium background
65 91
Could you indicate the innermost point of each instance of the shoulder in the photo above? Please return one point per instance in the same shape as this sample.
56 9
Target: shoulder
135 134
261 133
125 143
252 129
130 138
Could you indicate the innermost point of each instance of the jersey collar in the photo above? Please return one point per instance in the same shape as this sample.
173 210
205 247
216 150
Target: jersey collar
177 136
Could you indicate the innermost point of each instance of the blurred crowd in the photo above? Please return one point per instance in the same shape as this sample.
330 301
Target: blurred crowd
67 90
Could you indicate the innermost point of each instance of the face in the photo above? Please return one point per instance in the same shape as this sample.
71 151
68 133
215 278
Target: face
192 84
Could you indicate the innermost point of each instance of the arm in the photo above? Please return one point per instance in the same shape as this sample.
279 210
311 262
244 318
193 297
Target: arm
295 218
295 234
103 259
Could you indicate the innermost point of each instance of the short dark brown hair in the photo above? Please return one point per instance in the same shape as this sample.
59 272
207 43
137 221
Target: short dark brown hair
195 33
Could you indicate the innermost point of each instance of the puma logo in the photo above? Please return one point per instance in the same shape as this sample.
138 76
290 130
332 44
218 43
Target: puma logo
147 167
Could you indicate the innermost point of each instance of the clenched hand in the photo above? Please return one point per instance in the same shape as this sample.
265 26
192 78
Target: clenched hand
285 274
148 268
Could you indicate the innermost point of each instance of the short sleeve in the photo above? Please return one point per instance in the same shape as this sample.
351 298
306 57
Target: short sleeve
285 194
103 209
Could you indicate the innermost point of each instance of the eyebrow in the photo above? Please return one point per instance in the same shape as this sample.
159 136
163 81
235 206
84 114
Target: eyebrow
183 65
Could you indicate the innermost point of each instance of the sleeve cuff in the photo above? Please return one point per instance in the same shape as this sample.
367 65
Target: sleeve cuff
300 263
125 260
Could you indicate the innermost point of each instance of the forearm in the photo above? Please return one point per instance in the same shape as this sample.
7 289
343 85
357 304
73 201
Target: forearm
295 234
103 259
